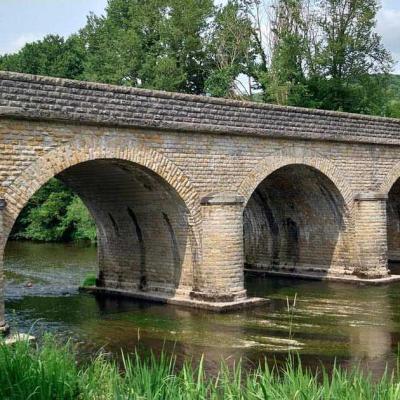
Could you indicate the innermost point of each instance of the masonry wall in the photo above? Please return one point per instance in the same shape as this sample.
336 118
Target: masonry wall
194 146
212 163
296 220
144 240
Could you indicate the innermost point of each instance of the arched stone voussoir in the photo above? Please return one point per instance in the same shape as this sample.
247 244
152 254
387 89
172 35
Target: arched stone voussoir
389 180
293 156
59 159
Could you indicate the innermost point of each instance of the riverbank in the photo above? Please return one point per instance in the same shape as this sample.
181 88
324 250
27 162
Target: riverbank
51 371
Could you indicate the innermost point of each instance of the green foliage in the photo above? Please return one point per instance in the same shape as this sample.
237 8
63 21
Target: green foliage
53 214
285 80
328 58
156 44
319 53
393 97
90 280
44 373
50 371
52 56
348 57
78 223
232 49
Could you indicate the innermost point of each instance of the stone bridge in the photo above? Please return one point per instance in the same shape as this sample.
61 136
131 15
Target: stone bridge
187 192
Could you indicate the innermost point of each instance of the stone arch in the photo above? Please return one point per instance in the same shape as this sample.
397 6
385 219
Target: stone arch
390 187
146 210
297 214
390 179
55 161
296 155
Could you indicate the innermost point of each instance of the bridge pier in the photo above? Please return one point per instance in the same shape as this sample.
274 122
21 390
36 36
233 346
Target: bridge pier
371 249
219 279
220 276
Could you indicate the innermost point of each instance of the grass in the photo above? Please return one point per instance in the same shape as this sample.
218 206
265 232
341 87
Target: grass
50 371
90 280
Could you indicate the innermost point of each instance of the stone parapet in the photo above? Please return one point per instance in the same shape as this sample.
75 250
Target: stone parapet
38 97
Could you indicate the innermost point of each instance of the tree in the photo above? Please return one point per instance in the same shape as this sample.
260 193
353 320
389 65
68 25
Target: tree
392 108
285 81
320 54
156 44
51 56
54 213
78 224
232 50
348 55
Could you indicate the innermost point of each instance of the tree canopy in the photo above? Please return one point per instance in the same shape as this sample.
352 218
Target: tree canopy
310 53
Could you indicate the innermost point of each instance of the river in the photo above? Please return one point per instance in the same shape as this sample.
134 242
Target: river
352 324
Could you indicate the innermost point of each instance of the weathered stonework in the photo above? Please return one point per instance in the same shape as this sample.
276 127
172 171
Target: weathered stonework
169 178
3 326
221 274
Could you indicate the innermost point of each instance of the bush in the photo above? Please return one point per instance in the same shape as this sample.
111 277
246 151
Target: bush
54 214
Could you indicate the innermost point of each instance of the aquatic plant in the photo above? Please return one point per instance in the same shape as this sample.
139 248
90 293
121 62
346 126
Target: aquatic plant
50 371
90 280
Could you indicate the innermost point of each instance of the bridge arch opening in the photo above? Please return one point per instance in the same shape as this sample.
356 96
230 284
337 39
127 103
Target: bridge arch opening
393 227
295 222
144 235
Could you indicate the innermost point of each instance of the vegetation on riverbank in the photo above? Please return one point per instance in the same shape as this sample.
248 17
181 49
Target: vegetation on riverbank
54 214
50 371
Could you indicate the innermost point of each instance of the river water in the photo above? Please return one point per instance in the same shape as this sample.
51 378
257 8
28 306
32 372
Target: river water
352 324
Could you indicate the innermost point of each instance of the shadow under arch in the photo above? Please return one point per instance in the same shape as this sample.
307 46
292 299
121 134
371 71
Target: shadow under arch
391 187
297 155
146 210
296 217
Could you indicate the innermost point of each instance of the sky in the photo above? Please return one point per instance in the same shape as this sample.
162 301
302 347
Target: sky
23 21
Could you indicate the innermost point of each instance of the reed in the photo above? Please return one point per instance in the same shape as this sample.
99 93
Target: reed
50 371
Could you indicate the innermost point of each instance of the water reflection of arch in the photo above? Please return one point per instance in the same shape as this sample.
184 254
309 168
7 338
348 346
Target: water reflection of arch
298 214
146 210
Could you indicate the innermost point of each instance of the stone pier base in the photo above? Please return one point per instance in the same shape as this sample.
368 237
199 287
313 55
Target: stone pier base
19 337
352 279
222 306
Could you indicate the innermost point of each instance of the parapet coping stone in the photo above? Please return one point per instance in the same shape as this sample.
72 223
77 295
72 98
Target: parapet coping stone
274 121
184 96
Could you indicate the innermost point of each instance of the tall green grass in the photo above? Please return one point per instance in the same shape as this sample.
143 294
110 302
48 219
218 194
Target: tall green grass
50 371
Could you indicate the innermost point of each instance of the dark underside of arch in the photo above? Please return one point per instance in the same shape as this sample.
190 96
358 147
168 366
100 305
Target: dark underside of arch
293 220
393 228
144 240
